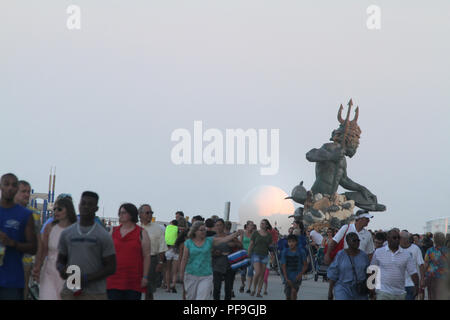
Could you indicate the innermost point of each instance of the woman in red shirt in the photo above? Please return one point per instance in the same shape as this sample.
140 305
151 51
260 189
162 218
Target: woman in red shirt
132 245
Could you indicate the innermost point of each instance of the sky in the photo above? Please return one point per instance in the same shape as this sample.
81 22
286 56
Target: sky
102 102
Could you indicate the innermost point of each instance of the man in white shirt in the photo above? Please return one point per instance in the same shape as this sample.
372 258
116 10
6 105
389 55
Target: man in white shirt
394 264
416 253
316 237
158 247
365 237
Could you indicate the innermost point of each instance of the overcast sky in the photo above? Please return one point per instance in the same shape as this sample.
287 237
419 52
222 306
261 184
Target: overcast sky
101 103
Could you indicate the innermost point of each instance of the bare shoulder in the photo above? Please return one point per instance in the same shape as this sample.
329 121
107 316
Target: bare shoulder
330 146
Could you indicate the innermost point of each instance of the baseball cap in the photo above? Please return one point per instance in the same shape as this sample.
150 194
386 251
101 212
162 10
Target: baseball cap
363 214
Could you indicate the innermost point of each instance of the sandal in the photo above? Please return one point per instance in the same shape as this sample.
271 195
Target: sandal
259 295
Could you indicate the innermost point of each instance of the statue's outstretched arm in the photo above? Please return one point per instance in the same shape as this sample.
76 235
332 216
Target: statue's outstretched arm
323 154
348 184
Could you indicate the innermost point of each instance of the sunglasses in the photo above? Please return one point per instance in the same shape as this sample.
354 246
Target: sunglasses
148 212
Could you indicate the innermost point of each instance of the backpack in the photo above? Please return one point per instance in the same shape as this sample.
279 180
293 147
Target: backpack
339 246
171 235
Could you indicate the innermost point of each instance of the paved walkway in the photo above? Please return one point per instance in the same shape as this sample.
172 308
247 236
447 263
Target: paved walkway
309 290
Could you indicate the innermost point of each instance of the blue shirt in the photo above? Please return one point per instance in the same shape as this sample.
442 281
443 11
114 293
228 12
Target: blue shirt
13 222
294 261
302 242
340 270
283 243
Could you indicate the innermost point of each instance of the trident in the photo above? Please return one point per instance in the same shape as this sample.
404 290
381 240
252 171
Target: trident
347 121
350 104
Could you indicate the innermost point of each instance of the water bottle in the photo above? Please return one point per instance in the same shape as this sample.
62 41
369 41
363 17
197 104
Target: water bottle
2 253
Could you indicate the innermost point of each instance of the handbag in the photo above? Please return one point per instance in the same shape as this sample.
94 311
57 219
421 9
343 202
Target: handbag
361 286
339 246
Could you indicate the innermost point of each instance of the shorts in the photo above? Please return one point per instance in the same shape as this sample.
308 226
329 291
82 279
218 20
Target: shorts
260 258
172 255
287 288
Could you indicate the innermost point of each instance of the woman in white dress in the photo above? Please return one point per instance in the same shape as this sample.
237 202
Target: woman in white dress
44 269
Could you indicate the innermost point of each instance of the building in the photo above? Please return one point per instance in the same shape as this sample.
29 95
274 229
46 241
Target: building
438 225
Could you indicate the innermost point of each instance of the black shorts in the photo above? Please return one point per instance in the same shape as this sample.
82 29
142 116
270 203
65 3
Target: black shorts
287 288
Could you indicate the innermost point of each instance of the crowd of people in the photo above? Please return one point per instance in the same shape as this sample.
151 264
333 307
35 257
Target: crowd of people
131 260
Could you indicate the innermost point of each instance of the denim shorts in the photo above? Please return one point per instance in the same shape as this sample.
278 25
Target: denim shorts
260 258
171 255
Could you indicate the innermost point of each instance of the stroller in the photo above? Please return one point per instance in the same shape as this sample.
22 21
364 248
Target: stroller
317 265
320 267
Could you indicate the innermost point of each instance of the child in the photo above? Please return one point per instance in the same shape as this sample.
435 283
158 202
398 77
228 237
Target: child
293 265
266 277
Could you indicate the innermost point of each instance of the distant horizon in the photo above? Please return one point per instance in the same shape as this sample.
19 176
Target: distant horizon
221 214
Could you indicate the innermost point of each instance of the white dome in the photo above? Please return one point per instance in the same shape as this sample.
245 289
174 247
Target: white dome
267 202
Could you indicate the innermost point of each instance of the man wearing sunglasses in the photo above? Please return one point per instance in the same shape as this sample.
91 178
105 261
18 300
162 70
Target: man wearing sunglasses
394 264
158 248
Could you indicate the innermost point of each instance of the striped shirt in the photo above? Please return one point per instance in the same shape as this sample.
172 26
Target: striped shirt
393 268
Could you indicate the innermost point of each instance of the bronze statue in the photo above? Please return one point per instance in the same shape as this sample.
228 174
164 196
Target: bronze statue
331 172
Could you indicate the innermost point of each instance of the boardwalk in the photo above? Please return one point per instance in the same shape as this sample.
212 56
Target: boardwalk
309 290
